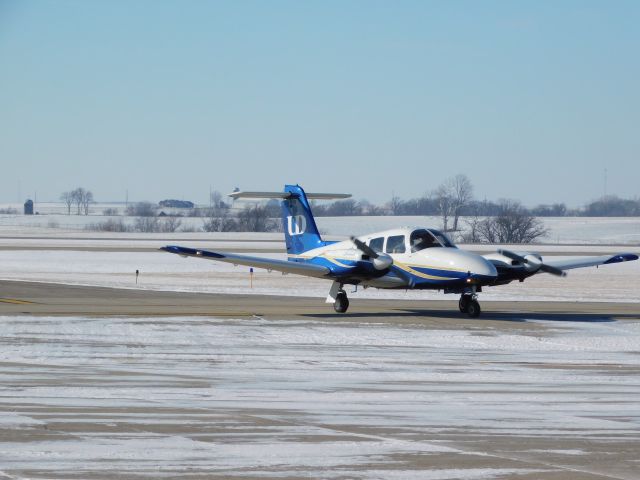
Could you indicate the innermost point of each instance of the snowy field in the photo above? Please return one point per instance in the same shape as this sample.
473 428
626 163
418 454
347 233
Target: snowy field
110 259
562 230
262 398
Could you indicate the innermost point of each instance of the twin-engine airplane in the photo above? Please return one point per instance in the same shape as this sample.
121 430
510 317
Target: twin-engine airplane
404 258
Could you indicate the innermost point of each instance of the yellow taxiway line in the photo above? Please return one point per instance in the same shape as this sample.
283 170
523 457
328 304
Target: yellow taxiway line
15 301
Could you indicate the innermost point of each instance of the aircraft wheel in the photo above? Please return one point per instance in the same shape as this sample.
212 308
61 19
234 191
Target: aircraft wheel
463 303
473 309
342 302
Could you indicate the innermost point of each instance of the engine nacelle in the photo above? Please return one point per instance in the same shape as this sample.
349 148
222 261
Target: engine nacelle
534 261
383 261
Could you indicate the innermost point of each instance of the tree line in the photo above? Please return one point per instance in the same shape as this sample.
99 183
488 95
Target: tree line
431 205
463 216
451 200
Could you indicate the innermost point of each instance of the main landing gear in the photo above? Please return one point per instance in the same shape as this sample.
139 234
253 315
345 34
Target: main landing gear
338 297
469 305
342 302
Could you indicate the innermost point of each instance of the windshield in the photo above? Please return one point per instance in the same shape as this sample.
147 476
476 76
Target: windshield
442 238
421 239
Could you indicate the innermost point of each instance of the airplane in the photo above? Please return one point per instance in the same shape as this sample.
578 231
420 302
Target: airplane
414 258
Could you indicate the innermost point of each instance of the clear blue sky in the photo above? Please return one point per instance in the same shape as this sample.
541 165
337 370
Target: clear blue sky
532 100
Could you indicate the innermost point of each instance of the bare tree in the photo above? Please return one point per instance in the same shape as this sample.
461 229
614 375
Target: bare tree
220 222
67 198
444 198
472 234
218 217
367 208
462 192
452 196
141 209
255 218
111 225
78 199
344 208
146 224
87 199
513 224
170 224
394 205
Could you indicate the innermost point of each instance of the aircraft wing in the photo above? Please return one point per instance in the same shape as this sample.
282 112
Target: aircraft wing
306 269
579 262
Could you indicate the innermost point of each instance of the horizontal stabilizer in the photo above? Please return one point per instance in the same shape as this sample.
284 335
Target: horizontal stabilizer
285 195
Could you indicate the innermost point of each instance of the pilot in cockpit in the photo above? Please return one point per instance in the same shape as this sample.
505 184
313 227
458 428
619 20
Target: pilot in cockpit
422 239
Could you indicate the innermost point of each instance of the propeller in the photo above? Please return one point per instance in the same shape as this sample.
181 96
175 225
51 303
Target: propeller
534 262
364 248
382 261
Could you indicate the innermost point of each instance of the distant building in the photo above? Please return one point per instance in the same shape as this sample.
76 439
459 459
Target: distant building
28 207
176 204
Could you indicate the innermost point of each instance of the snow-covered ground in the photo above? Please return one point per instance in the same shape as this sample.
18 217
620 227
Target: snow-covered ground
168 397
562 230
263 398
163 271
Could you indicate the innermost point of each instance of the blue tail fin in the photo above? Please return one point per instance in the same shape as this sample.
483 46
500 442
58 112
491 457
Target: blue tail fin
300 230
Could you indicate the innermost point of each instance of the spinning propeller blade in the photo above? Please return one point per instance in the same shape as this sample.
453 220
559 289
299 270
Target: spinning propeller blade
552 270
364 248
541 266
403 275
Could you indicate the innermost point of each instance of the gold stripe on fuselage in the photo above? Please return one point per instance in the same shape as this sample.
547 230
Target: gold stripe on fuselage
409 269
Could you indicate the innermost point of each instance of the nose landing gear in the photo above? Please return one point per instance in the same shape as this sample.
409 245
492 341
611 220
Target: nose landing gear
469 304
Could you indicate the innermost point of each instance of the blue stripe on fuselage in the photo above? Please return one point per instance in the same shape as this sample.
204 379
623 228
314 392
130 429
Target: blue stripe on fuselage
343 269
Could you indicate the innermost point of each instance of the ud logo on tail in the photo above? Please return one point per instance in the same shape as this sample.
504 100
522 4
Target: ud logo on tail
296 225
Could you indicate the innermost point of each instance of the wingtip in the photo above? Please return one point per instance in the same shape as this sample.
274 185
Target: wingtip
622 257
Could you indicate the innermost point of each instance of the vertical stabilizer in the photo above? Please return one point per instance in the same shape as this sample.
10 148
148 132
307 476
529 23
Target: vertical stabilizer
300 230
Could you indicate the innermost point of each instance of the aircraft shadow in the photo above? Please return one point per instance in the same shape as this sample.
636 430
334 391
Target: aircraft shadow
486 316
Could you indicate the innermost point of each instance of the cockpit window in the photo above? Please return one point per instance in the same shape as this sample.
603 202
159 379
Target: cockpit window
421 239
395 244
376 244
442 238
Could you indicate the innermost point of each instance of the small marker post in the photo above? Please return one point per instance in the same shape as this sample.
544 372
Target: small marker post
137 275
251 277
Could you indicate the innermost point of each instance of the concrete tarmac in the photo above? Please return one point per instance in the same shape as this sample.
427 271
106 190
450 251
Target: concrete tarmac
87 404
33 298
